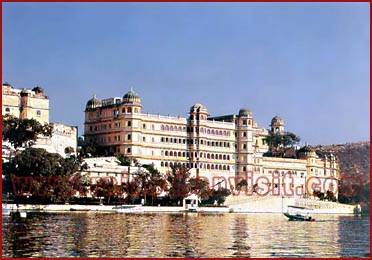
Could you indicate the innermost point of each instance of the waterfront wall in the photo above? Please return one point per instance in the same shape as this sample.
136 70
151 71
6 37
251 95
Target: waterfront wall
278 204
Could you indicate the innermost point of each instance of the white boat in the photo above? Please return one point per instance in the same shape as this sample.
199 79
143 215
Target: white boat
299 213
129 209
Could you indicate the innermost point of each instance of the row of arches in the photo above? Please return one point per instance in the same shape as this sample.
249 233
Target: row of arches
203 130
206 166
212 156
188 141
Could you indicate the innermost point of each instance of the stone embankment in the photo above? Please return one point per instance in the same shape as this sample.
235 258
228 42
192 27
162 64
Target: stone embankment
238 204
278 204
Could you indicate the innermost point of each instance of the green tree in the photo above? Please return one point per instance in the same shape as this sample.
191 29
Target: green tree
278 143
91 148
124 160
106 188
149 181
69 150
200 187
40 174
179 185
23 132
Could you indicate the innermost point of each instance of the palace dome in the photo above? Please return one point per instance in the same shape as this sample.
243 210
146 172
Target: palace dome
38 90
93 103
245 112
277 121
131 97
198 108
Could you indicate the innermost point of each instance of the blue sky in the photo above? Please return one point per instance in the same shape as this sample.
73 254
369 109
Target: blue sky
308 63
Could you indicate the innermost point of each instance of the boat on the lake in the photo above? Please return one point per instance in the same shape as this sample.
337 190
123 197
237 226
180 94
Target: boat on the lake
299 213
129 209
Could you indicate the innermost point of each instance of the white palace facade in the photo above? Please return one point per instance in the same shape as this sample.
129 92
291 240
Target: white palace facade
216 147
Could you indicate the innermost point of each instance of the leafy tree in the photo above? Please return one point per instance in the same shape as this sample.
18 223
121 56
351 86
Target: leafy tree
148 182
106 188
179 185
124 160
200 187
40 174
330 196
90 147
23 132
278 143
69 150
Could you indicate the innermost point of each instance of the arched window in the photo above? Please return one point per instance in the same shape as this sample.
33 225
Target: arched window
212 132
212 167
171 153
228 167
166 153
220 157
212 156
170 164
162 164
162 127
208 167
208 156
224 167
166 164
171 128
167 128
179 154
208 131
224 157
220 168
129 110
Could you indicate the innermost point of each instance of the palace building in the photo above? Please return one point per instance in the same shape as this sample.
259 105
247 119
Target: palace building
227 146
25 103
34 104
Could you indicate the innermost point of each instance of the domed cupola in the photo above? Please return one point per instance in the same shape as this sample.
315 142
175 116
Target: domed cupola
277 125
131 97
198 111
38 90
93 103
245 112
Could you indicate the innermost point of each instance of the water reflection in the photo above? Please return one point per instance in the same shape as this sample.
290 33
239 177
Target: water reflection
183 235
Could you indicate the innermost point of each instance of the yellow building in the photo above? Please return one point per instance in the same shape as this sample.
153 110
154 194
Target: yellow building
216 147
25 103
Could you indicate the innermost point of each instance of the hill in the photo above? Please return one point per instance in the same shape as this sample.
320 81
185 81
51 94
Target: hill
354 158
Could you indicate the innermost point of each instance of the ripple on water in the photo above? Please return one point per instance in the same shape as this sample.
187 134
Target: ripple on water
183 235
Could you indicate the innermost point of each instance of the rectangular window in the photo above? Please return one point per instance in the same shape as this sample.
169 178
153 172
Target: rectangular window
129 137
129 123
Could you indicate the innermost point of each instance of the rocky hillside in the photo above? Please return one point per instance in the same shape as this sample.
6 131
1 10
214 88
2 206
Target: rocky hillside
354 158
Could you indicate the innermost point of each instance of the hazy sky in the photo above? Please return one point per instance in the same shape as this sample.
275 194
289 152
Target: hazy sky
308 63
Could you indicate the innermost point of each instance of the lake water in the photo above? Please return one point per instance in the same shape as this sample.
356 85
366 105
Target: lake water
183 235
